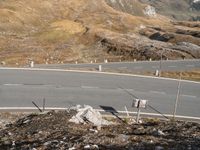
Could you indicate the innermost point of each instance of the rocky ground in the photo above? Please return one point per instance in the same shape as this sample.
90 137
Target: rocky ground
52 130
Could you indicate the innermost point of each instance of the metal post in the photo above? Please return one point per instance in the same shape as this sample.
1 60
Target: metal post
138 112
160 67
138 115
177 97
43 105
126 111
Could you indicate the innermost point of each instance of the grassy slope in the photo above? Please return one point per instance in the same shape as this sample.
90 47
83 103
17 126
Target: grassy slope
177 9
54 30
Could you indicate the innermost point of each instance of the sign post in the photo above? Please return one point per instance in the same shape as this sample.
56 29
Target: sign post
139 103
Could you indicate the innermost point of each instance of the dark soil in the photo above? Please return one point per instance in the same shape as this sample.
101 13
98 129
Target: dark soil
52 130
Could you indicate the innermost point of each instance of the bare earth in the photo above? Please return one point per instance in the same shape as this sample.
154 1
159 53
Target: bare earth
53 130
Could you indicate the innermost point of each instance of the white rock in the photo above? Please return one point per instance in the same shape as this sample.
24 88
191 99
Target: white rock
160 132
93 130
95 147
72 148
47 143
150 11
89 114
196 1
87 147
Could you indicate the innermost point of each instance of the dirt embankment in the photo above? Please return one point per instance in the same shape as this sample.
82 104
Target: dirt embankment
53 130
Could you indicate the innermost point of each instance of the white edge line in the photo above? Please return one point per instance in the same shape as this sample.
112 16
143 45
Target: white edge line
96 72
192 96
100 110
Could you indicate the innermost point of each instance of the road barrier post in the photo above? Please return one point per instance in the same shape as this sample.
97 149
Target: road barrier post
32 64
100 68
157 73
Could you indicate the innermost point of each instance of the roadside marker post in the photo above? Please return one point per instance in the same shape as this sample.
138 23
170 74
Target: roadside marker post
32 64
139 103
100 68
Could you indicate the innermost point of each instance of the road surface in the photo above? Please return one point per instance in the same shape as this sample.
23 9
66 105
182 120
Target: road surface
170 65
19 87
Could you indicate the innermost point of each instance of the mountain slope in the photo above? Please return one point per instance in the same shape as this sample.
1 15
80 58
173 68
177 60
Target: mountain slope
62 31
177 9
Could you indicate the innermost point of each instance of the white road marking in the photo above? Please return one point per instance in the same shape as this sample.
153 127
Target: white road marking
100 110
89 87
10 84
191 96
157 92
121 89
123 68
172 66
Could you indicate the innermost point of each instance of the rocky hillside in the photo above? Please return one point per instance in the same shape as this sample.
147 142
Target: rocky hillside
177 9
63 31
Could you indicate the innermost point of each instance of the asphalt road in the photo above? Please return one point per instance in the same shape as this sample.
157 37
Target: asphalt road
18 88
170 65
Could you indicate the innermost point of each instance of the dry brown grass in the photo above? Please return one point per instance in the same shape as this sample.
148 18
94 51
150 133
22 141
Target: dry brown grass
38 29
193 75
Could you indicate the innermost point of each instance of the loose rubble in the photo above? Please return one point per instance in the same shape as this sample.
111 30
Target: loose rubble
87 113
53 130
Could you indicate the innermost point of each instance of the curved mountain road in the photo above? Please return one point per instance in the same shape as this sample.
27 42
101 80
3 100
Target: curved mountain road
166 65
61 88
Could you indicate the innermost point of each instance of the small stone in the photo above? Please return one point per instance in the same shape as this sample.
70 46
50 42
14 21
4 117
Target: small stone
93 130
9 133
94 147
160 133
72 148
27 121
87 147
13 143
47 143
